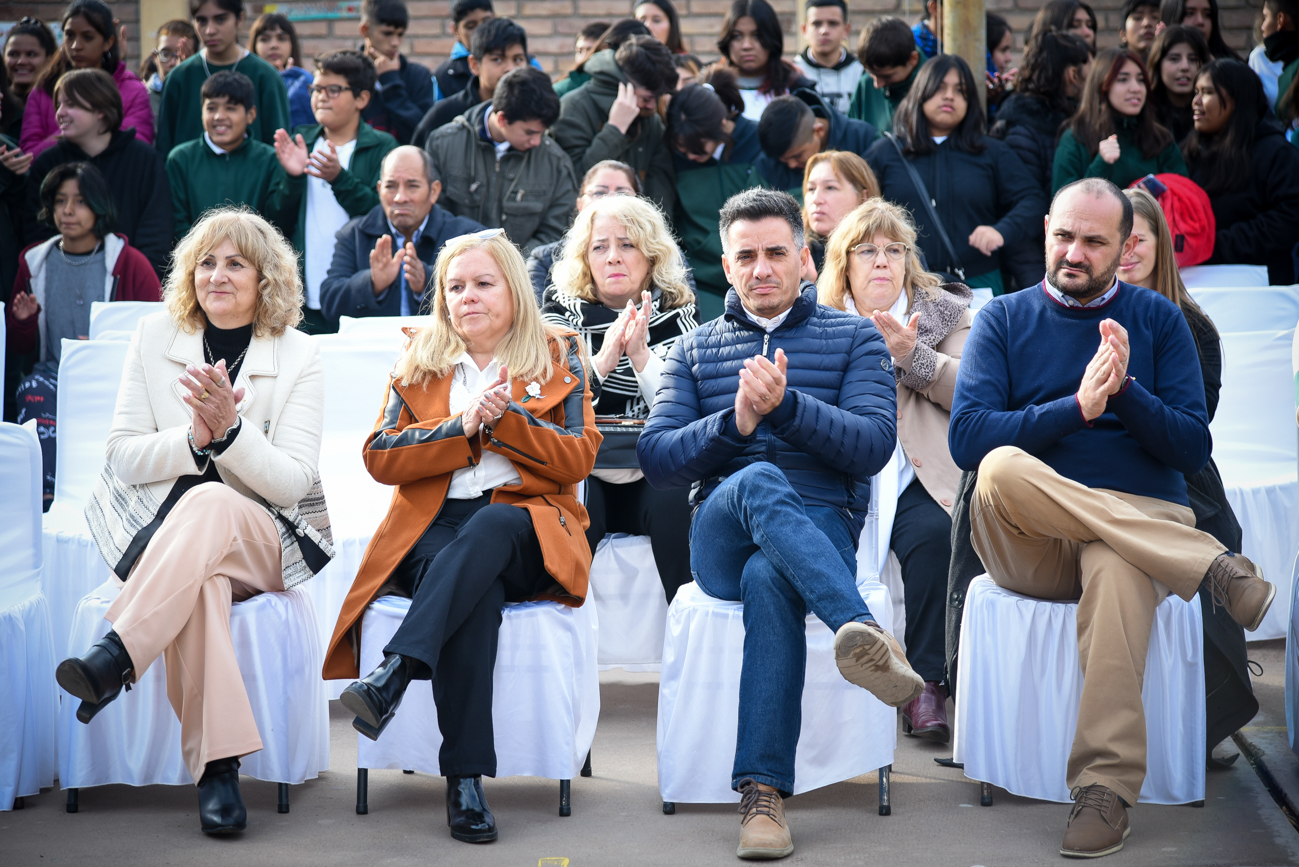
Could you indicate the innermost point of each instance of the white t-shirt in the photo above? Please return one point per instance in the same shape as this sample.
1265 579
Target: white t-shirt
494 470
325 216
755 102
906 472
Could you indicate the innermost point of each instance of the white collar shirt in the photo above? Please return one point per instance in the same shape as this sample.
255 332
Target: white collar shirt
1070 301
493 470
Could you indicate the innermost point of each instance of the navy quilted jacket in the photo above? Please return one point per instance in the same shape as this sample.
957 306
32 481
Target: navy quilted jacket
835 428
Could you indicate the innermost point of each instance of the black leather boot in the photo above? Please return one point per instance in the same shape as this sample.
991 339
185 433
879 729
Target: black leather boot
470 818
374 698
220 806
98 677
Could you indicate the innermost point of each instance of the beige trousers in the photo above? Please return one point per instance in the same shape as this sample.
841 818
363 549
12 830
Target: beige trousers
214 548
1043 535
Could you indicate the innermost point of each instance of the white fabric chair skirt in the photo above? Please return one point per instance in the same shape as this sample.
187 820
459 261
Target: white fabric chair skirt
633 610
1224 275
1019 684
28 702
136 739
119 317
546 693
846 731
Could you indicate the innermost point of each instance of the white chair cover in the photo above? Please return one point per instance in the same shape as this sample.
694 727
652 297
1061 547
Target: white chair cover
136 739
1252 308
1224 275
626 588
119 316
1019 683
28 703
846 731
981 297
546 693
89 374
1254 444
379 325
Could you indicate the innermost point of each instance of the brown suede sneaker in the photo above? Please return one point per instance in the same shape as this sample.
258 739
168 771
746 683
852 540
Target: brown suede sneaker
764 834
872 659
1237 585
1098 823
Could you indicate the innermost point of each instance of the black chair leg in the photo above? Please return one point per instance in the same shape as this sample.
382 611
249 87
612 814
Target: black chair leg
74 800
985 794
586 768
669 808
362 791
886 778
565 798
283 805
408 772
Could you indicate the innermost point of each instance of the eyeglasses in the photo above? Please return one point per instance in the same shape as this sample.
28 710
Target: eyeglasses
601 192
166 55
868 252
486 234
333 91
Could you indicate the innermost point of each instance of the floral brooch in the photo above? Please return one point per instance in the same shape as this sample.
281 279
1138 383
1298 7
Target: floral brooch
534 392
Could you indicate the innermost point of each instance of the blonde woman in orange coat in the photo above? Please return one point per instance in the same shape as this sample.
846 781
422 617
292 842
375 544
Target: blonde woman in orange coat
487 425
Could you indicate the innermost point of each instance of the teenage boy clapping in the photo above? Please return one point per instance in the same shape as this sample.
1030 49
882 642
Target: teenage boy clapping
331 168
404 90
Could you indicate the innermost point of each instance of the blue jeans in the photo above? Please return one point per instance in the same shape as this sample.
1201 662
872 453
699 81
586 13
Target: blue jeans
754 541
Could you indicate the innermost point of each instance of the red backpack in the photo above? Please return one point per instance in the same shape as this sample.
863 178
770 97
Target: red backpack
1188 213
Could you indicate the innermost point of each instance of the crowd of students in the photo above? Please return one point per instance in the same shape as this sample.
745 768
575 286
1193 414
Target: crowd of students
601 194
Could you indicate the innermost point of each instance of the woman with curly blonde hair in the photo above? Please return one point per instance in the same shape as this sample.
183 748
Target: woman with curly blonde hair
486 430
620 252
871 269
211 491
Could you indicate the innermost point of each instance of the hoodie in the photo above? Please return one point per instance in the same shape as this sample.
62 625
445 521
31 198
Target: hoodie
835 83
41 130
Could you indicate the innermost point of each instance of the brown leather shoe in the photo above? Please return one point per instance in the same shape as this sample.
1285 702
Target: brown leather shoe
872 659
764 834
1098 823
925 716
1237 585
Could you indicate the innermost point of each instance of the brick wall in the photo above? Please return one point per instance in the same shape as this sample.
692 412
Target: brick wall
553 24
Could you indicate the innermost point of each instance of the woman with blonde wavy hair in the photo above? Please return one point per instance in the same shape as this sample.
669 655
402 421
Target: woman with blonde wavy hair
619 251
485 429
871 268
210 494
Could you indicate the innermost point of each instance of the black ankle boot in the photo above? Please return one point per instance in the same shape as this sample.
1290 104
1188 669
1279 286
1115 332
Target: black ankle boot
374 698
220 806
98 677
470 818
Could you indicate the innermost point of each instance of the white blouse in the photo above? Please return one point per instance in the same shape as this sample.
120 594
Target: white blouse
494 470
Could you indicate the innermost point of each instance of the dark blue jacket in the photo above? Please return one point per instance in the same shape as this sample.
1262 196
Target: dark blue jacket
846 134
836 427
402 97
346 289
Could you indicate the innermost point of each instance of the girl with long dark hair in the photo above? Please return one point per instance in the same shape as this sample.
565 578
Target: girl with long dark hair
660 16
1115 134
1066 16
1175 61
1201 15
981 193
274 40
1251 173
28 45
752 42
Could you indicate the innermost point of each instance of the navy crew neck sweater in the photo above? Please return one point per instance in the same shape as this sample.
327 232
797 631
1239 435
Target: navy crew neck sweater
1022 366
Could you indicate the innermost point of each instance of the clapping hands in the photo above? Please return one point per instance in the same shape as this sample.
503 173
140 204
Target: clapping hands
1106 371
214 400
485 410
628 335
762 388
296 160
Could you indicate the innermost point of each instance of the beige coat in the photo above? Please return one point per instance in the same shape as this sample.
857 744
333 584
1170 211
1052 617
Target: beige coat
274 458
925 412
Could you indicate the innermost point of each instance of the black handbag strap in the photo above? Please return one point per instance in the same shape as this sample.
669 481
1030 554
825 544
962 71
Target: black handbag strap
929 206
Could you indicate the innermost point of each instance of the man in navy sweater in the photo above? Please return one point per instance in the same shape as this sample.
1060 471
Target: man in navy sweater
1080 403
778 414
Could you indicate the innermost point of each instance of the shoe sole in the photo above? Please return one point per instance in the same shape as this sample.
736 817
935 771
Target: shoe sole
938 734
764 854
367 722
1262 612
368 730
225 829
1099 853
864 659
474 838
71 675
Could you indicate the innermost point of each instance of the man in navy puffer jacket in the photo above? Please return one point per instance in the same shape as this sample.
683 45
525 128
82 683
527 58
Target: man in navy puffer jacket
778 414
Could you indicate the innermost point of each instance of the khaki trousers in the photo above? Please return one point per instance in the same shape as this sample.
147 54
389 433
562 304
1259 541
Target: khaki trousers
214 548
1119 555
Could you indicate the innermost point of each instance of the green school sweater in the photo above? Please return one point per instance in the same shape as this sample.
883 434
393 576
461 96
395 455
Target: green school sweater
876 105
1283 88
202 179
181 117
1073 162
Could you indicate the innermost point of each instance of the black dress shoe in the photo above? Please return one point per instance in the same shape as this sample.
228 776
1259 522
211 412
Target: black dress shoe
220 806
470 818
98 677
374 698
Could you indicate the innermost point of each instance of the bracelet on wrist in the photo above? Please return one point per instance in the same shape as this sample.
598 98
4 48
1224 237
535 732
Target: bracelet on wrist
216 441
201 452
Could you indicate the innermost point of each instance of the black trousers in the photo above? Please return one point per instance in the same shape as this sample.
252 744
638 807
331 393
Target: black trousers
641 510
922 540
473 559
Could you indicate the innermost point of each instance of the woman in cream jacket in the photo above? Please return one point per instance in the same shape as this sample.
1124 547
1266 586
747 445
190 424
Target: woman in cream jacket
871 268
209 494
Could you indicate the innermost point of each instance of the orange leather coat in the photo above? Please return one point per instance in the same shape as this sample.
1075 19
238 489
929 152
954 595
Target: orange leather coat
417 444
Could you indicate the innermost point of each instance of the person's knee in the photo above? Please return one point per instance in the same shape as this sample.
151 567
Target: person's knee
1002 468
761 476
499 520
210 499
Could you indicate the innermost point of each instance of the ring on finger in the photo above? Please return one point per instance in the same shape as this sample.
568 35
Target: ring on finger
204 395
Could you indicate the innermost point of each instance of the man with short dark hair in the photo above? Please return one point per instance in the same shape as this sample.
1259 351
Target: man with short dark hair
1080 403
499 45
780 447
500 167
614 116
797 127
383 262
403 91
452 76
891 59
825 61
